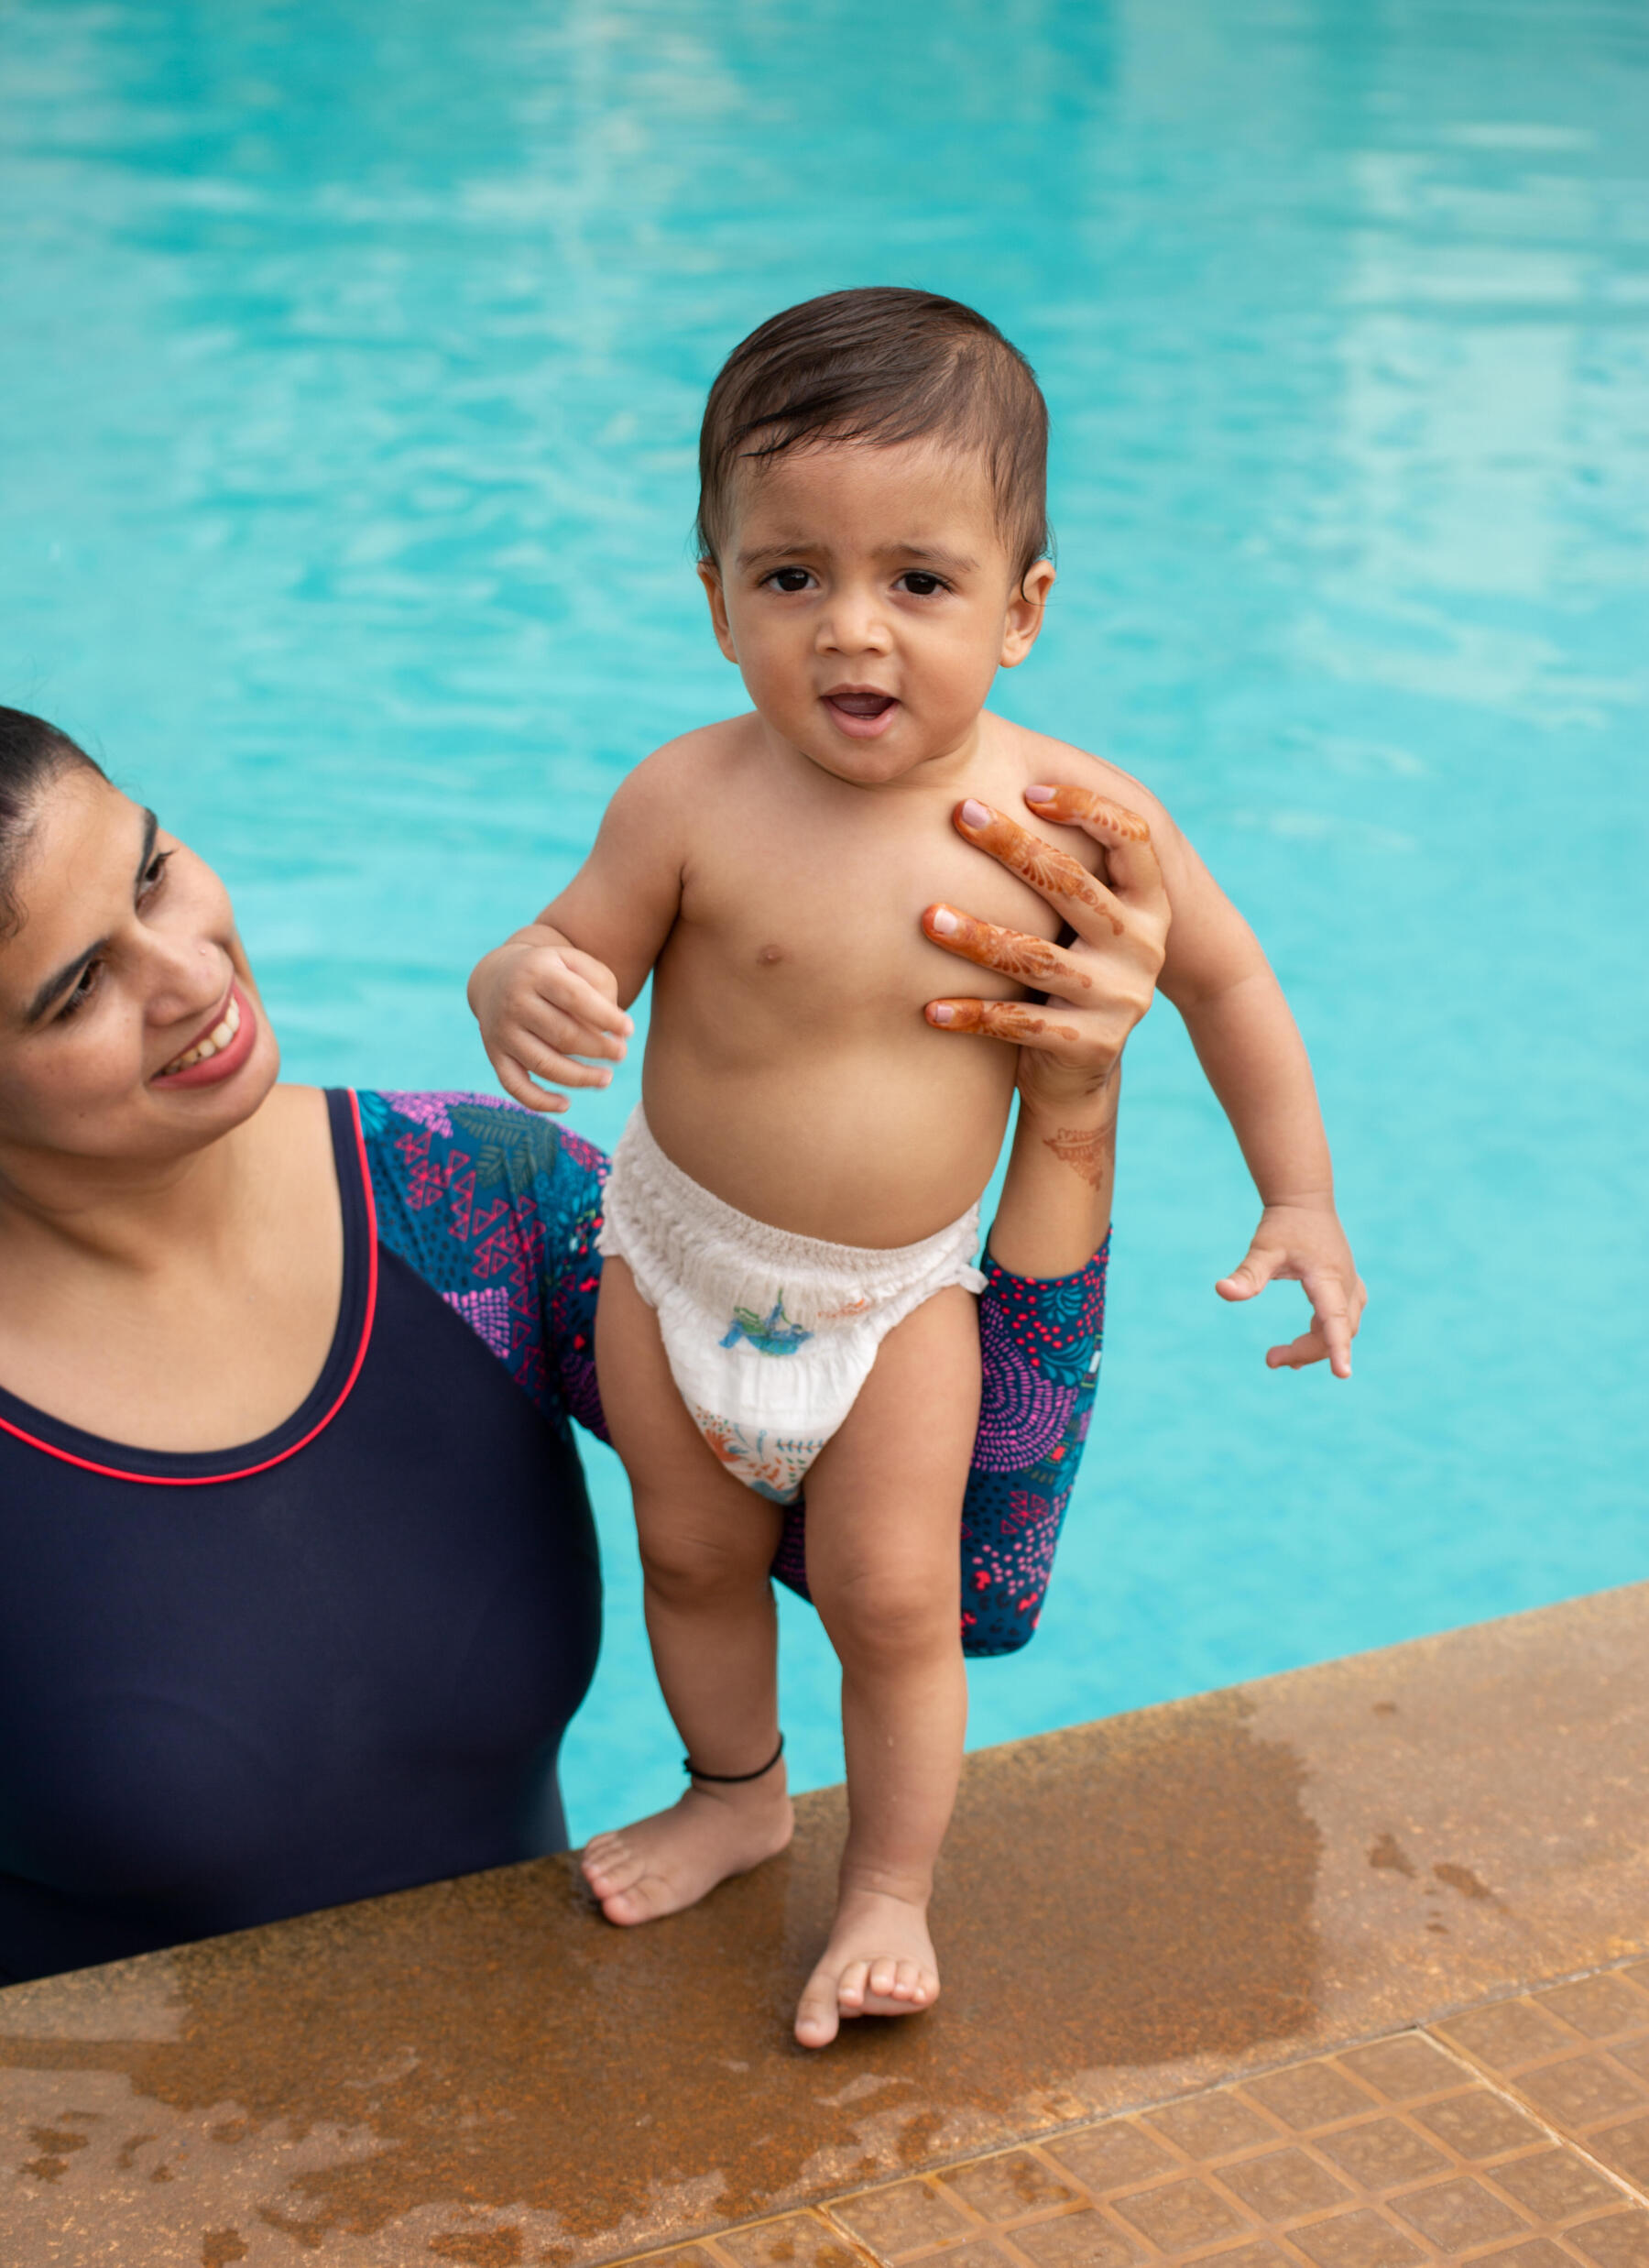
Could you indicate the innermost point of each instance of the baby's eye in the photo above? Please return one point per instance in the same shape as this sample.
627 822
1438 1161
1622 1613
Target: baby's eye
921 583
790 579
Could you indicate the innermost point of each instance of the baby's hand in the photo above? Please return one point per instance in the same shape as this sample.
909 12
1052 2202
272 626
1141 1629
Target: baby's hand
540 1002
1304 1243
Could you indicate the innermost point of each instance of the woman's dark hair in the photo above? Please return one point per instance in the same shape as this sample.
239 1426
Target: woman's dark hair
32 755
880 365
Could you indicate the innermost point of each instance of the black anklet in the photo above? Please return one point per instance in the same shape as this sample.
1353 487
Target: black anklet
733 1780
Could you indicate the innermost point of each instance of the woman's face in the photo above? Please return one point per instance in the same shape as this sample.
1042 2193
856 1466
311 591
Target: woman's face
130 1029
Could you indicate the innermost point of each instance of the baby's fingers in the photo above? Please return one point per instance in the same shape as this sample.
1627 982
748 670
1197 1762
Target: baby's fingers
1299 1353
563 988
516 1083
538 1022
1332 1320
1252 1274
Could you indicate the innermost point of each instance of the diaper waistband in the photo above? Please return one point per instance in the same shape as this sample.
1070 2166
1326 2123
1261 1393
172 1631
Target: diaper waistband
725 1257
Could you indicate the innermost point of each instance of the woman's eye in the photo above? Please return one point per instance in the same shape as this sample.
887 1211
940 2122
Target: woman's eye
154 874
921 585
790 579
83 990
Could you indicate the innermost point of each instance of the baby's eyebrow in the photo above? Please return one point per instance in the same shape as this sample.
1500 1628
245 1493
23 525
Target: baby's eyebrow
931 555
766 552
910 554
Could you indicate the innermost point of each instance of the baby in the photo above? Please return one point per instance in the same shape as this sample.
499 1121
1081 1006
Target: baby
792 1218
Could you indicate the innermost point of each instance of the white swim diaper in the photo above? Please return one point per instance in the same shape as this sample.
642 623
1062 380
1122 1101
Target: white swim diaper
770 1336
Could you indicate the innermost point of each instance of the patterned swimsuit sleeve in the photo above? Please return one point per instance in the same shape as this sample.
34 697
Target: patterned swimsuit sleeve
497 1209
1039 1343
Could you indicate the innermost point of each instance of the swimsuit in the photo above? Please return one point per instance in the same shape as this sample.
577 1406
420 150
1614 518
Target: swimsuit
340 1661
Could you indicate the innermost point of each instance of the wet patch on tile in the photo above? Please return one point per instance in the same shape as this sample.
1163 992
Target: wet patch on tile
490 2048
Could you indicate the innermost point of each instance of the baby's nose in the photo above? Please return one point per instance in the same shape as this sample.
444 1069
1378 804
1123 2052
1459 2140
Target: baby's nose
857 624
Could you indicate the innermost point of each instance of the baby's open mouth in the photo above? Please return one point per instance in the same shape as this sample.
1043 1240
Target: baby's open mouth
861 703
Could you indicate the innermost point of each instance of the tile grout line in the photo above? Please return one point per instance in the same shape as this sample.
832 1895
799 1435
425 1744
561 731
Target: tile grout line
1498 2083
973 2225
1258 2227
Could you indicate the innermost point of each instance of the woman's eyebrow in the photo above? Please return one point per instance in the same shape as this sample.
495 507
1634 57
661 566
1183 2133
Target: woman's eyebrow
70 973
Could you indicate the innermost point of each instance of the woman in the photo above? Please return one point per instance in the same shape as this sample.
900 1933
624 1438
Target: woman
298 1581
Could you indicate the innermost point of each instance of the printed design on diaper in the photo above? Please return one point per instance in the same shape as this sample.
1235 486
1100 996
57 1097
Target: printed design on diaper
773 1464
772 1333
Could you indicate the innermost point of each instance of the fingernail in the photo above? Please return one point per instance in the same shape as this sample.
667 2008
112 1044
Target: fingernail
943 920
943 1015
975 815
1038 795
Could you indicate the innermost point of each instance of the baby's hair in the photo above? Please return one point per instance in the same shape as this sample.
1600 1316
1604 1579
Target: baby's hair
880 365
32 755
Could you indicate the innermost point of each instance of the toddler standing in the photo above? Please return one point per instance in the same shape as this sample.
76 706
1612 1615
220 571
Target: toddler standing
793 1217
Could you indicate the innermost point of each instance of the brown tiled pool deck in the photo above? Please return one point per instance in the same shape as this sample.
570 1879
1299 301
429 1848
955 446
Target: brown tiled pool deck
1344 1968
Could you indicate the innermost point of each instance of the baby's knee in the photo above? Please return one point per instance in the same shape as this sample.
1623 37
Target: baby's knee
688 1567
888 1618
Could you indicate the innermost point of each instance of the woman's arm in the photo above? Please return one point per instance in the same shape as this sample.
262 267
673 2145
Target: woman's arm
1043 1310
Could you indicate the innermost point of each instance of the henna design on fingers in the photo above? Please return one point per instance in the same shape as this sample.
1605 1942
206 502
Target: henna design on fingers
999 1019
1071 804
1036 959
1085 1149
1052 873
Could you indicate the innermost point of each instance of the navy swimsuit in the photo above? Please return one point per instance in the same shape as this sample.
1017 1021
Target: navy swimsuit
340 1660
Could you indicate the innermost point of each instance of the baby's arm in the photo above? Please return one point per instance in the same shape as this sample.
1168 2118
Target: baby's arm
1250 1046
557 990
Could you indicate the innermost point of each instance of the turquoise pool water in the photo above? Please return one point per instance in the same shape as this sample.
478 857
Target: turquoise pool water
350 369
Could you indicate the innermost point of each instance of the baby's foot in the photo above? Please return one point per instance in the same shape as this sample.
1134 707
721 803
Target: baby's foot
669 1861
879 1962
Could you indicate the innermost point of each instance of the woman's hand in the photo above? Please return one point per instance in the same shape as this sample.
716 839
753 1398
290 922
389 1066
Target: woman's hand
1094 989
1055 1207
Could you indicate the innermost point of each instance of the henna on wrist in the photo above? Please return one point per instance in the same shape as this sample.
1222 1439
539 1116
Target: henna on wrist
1086 1150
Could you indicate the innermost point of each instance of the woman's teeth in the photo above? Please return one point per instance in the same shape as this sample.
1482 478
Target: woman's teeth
219 1037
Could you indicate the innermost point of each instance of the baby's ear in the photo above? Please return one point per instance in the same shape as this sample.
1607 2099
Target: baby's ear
709 574
1025 609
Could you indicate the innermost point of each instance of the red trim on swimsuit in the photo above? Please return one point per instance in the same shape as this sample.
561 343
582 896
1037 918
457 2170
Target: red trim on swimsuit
210 1480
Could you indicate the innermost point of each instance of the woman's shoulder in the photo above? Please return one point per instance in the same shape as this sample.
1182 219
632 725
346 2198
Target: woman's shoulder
469 1159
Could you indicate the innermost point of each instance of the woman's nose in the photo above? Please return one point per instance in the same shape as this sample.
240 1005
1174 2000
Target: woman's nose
185 978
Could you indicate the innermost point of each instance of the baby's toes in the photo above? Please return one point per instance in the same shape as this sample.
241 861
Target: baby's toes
817 2021
851 1986
609 1864
910 1983
884 1972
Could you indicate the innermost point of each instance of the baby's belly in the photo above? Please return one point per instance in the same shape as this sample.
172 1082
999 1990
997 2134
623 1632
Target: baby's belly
864 1137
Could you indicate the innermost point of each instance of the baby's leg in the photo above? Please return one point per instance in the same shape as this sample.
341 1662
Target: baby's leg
706 1544
884 1500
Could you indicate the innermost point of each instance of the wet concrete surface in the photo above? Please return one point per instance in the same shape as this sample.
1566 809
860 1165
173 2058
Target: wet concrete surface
484 2071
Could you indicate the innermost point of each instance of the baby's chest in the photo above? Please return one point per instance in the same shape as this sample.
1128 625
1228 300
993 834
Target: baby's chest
843 911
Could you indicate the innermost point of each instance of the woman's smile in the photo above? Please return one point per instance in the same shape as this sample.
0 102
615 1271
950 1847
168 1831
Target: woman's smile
219 1051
